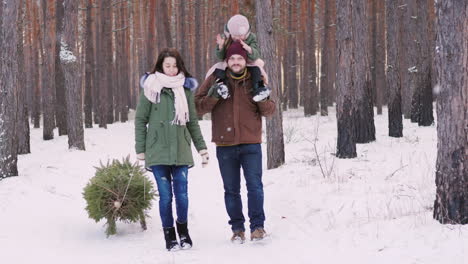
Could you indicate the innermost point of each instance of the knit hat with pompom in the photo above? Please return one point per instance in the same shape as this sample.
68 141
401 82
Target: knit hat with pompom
238 25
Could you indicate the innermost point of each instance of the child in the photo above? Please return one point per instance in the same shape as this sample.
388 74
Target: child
165 124
238 29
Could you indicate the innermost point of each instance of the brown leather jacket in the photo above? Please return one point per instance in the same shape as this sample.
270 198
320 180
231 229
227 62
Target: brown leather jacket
238 119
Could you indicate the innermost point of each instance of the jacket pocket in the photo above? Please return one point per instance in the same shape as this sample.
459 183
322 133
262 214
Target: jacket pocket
187 136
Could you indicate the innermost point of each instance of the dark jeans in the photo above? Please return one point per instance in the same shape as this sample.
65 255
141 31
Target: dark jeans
231 159
166 175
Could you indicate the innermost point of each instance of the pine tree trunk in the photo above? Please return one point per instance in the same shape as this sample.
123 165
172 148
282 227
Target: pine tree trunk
310 70
380 84
274 124
364 115
395 122
48 73
163 24
331 80
425 117
23 85
451 203
104 67
89 67
35 72
291 67
403 52
71 69
8 88
324 59
60 102
346 145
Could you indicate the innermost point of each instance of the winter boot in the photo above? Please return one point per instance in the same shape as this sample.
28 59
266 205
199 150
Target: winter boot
238 237
260 92
258 234
171 239
185 240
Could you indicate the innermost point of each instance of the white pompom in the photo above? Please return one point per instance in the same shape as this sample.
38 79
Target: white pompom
117 204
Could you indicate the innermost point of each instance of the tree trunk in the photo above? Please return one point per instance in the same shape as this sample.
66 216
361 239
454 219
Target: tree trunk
425 113
403 51
364 118
60 102
451 203
89 67
163 24
104 67
8 88
380 84
324 58
346 145
48 74
291 63
395 122
310 71
331 71
23 85
35 73
71 69
275 139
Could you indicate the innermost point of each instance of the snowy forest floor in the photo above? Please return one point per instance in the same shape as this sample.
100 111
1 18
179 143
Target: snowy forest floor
376 208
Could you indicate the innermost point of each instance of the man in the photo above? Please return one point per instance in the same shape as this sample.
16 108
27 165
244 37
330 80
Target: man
237 132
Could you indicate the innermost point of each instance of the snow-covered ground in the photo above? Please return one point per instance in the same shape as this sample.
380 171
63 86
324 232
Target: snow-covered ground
376 208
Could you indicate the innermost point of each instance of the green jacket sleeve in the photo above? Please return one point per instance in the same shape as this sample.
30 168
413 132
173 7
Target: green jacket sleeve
252 42
220 53
193 126
141 120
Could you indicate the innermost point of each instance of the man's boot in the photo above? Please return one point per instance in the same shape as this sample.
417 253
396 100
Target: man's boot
185 240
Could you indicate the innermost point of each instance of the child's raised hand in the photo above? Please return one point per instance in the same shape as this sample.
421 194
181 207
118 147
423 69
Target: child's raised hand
246 47
220 41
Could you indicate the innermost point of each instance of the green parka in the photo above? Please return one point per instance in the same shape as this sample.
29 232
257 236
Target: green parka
162 142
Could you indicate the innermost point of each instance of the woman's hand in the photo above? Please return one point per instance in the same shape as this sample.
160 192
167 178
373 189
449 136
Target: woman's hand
220 41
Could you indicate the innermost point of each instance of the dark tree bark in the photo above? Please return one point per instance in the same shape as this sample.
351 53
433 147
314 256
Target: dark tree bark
151 44
71 69
35 73
199 58
324 58
425 113
380 84
403 51
451 202
420 79
395 122
163 25
104 63
291 63
22 122
89 67
182 31
331 53
310 70
8 88
346 145
275 139
48 73
364 116
60 102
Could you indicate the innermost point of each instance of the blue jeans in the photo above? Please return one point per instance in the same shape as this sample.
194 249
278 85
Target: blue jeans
166 175
231 159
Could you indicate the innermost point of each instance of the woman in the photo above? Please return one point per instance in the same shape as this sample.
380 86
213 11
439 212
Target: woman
165 124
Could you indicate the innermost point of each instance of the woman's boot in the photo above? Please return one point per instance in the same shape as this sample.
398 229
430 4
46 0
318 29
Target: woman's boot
185 240
171 239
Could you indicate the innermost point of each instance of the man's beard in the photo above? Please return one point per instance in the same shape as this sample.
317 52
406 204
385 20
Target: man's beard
241 69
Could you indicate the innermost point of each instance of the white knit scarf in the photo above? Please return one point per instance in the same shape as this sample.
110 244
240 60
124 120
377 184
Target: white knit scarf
152 89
